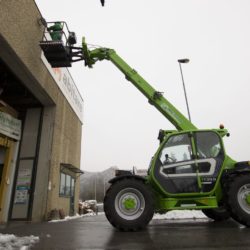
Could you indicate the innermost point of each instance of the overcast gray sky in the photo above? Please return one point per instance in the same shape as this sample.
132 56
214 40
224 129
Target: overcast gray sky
120 127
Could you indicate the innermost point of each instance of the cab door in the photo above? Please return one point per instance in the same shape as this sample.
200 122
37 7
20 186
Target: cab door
189 162
210 156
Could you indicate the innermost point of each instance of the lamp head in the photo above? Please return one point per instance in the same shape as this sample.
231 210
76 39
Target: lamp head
184 60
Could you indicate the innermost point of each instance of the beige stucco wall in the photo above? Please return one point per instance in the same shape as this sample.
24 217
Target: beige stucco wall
19 25
20 33
66 150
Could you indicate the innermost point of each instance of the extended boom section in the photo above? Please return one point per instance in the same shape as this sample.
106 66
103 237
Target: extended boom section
154 97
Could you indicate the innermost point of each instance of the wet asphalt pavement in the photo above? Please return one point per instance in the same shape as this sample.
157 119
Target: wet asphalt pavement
96 233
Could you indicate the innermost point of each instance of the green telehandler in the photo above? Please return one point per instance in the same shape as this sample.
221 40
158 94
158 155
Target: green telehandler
190 169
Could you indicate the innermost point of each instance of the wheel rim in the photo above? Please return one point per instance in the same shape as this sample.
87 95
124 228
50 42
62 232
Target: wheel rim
129 203
243 198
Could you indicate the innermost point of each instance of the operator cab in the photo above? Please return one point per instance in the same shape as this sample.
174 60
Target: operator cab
189 162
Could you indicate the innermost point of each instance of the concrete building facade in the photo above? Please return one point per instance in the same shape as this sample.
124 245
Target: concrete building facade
40 122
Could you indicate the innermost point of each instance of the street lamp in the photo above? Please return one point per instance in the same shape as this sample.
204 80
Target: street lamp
180 61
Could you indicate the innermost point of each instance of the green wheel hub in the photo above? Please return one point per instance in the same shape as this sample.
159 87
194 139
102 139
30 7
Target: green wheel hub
129 203
248 199
244 198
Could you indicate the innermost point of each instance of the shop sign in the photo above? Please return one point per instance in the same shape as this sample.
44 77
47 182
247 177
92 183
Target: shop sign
10 126
66 84
21 196
23 186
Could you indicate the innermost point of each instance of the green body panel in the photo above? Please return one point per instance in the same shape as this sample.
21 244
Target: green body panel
166 204
164 201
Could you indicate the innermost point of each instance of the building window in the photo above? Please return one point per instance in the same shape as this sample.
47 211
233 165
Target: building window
62 184
67 185
72 187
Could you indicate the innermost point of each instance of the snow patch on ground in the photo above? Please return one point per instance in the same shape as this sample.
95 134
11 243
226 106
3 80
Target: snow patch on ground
180 214
76 217
10 241
171 215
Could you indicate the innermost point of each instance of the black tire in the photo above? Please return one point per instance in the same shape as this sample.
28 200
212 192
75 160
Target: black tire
129 204
217 214
238 188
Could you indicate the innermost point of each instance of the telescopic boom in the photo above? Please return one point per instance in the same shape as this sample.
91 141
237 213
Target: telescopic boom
154 97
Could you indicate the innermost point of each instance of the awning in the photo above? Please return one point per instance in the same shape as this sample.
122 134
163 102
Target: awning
70 167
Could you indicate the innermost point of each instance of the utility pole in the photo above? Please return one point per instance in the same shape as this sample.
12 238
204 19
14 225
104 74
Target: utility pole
95 187
104 186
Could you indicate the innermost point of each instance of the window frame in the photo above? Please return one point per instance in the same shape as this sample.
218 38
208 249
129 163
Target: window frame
170 138
66 193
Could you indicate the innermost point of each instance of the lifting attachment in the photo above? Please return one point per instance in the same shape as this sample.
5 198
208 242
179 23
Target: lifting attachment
57 45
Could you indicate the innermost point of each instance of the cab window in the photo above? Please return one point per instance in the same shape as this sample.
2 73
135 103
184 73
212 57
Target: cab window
208 145
177 148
